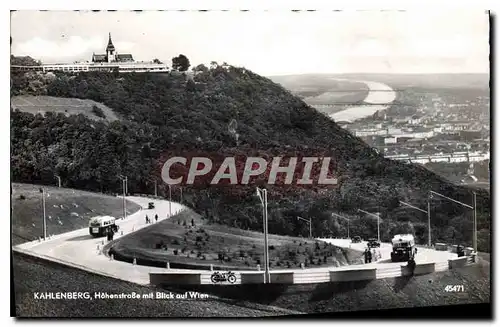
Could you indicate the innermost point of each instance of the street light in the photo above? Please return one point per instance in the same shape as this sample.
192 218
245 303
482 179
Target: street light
124 181
474 224
169 200
42 190
378 220
310 225
428 212
59 180
348 222
262 194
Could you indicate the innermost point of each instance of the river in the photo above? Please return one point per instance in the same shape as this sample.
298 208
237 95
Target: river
379 97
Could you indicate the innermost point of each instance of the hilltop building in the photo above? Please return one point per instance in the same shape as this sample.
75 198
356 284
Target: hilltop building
111 55
110 61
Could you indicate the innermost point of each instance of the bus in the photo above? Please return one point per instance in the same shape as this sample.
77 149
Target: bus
99 226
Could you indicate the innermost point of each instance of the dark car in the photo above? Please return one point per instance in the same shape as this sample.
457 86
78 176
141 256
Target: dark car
151 205
356 239
373 243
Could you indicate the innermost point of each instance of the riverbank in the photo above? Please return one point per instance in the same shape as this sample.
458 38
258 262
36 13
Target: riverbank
379 98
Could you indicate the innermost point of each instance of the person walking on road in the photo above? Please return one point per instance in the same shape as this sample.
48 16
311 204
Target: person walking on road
156 218
147 219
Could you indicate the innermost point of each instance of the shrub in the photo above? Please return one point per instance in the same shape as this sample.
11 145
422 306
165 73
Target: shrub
242 253
22 197
316 246
175 242
295 241
199 239
192 252
278 264
271 247
253 246
257 261
98 112
184 223
228 259
176 251
300 244
203 257
184 249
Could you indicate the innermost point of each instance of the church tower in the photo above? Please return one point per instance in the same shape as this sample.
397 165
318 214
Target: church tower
110 50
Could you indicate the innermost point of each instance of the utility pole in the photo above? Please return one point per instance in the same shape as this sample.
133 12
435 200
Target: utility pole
124 188
42 190
348 222
475 223
169 200
428 212
262 194
310 225
473 208
377 215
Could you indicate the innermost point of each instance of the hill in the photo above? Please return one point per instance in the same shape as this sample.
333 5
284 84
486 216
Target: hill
173 113
66 210
188 241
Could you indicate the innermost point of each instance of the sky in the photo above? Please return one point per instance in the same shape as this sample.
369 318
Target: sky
268 43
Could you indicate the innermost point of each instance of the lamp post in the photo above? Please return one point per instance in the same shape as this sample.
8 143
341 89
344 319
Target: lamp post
474 222
169 200
348 222
378 221
262 194
428 212
124 187
42 190
309 221
58 180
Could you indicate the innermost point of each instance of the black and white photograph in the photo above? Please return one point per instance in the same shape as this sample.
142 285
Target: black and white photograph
250 163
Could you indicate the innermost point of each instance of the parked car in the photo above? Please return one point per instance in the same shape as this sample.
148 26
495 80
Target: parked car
373 243
356 239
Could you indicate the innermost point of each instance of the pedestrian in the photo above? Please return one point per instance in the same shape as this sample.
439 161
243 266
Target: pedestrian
369 256
366 255
156 217
411 265
415 251
147 219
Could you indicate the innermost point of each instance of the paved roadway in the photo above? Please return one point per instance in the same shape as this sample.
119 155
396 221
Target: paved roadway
79 249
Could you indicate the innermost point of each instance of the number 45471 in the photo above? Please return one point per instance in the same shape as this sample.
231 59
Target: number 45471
454 288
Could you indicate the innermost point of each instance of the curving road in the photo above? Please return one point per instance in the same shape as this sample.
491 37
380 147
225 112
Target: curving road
379 98
78 249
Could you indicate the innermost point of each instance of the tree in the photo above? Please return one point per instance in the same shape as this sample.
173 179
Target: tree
200 68
24 61
180 63
157 61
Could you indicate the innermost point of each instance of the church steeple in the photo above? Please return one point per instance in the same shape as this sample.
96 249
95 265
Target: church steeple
110 46
110 50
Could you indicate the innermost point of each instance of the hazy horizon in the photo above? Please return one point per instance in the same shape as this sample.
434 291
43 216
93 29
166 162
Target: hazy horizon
274 43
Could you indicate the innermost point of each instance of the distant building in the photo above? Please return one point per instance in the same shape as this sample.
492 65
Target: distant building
111 55
110 62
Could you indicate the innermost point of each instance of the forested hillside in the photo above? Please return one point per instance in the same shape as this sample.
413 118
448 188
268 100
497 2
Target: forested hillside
177 112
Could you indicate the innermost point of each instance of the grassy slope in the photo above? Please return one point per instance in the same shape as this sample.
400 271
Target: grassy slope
66 210
32 276
216 238
70 106
401 292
